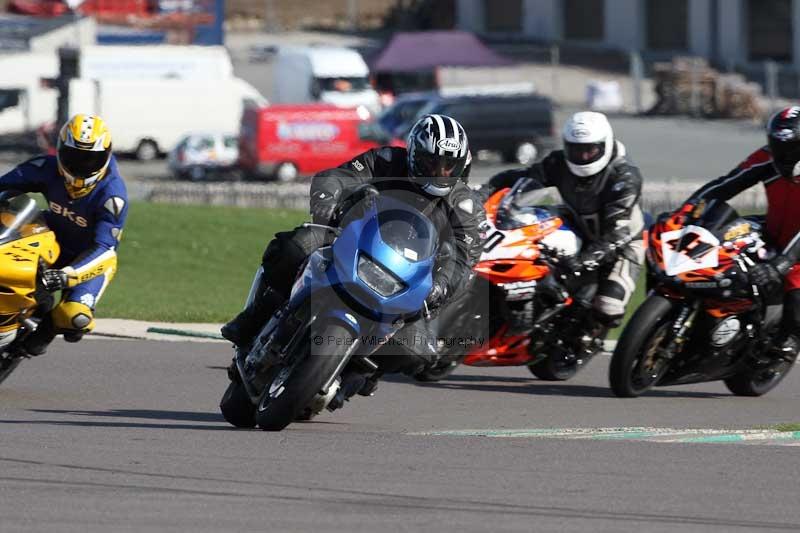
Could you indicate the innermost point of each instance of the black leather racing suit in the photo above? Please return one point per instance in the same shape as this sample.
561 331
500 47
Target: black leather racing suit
457 216
609 217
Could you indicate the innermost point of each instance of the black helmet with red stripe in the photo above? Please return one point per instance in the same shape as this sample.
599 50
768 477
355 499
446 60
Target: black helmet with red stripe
438 154
783 134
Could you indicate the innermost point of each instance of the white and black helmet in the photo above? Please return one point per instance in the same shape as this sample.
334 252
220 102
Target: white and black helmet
438 153
588 143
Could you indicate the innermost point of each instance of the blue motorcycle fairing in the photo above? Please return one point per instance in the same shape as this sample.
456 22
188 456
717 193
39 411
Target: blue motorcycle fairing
413 266
336 267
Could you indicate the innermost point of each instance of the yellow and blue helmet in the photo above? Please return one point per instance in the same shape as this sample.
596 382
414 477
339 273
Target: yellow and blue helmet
84 152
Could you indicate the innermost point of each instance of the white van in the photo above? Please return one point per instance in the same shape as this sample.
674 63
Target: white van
150 117
138 62
26 104
328 74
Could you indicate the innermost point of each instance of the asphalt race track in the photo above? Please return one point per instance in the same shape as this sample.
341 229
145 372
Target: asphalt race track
125 436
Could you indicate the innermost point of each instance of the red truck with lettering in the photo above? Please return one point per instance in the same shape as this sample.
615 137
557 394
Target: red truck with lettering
283 142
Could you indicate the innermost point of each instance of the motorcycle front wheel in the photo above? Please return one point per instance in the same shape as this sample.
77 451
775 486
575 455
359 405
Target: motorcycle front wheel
294 386
236 407
636 365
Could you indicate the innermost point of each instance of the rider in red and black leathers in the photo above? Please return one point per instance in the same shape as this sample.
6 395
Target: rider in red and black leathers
777 166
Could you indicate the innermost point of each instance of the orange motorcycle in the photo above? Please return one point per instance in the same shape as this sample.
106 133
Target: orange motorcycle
703 320
524 308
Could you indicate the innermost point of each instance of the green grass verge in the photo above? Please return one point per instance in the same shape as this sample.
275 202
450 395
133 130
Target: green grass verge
190 263
787 428
181 263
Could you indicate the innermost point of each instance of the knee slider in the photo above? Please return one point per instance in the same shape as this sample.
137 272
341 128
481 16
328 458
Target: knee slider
73 316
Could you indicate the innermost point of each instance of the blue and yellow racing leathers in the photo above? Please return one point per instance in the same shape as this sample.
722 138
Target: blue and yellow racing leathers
88 229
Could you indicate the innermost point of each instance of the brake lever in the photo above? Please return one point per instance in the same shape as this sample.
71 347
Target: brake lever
334 229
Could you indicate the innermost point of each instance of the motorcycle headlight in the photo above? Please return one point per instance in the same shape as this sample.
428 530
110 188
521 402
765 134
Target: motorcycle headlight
378 278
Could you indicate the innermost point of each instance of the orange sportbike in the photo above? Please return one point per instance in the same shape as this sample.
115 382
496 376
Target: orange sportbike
702 320
525 307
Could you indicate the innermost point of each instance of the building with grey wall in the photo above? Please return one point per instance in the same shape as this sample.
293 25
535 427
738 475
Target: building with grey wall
728 32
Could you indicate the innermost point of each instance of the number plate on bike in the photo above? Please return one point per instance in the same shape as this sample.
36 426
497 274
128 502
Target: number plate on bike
687 249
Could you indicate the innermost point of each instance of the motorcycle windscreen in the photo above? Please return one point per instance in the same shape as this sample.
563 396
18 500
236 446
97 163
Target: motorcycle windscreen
408 233
523 207
20 217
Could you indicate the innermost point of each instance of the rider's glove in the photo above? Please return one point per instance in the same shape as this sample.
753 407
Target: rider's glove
322 211
769 276
362 198
54 280
594 255
437 295
588 260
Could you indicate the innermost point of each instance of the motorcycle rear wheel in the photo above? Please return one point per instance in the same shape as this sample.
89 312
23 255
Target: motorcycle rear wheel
550 369
761 381
293 387
644 333
236 407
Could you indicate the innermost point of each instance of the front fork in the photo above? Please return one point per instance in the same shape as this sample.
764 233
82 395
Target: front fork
681 328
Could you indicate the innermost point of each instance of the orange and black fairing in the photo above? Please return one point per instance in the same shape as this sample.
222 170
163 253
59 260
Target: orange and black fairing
675 221
522 262
501 350
512 258
493 204
723 289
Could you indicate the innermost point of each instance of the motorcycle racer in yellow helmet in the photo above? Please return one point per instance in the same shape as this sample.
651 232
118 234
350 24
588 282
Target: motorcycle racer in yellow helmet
83 153
88 205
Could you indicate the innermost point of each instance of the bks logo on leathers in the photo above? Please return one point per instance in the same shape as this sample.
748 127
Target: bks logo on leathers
69 214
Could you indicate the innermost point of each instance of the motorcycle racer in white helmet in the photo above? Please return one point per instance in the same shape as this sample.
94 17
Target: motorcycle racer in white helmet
603 188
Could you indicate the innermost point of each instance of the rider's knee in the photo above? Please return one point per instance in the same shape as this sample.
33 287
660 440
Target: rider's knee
287 252
73 316
291 246
610 303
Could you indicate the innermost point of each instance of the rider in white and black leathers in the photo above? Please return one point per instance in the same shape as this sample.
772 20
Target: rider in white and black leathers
604 189
430 174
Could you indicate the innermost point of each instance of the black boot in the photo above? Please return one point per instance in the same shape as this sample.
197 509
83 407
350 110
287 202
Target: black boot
37 342
241 330
786 348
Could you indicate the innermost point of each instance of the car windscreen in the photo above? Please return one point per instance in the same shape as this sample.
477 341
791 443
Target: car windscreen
343 84
400 114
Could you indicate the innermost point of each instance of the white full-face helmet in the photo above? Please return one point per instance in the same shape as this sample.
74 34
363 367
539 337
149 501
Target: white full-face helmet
588 143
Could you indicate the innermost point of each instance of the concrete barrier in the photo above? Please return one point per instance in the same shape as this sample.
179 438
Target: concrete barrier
669 195
657 197
266 195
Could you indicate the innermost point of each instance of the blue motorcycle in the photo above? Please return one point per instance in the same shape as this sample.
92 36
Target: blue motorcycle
351 298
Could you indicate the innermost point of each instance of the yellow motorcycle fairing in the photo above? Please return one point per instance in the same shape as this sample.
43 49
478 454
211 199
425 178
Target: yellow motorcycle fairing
19 269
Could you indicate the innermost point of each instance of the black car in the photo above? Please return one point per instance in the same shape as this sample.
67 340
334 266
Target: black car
398 118
518 126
